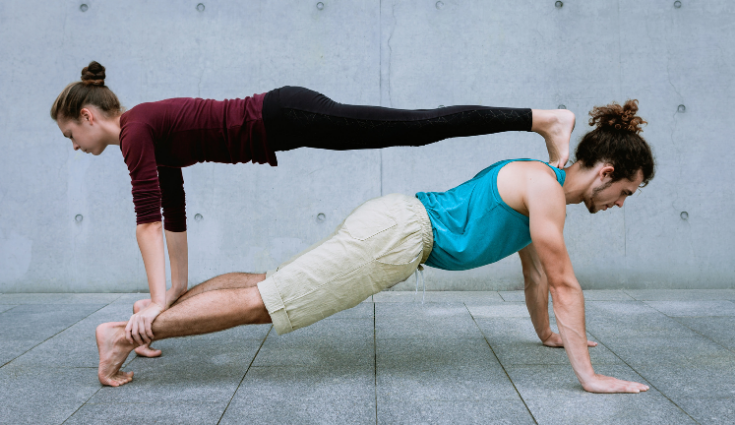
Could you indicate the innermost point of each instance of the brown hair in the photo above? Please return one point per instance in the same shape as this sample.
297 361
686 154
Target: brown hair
90 91
616 141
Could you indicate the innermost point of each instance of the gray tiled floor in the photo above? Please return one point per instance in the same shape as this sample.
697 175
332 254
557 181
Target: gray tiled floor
461 357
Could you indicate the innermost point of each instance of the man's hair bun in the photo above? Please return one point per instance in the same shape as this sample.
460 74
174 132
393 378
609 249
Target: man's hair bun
616 117
93 74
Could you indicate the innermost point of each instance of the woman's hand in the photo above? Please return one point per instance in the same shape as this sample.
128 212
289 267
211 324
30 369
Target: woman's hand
138 331
555 341
172 295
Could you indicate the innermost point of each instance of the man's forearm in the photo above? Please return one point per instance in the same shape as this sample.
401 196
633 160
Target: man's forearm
536 291
537 302
569 310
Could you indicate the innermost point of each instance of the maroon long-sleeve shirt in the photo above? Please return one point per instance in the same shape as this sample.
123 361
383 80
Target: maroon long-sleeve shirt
158 138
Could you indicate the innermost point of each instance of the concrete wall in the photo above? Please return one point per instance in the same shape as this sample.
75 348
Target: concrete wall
399 53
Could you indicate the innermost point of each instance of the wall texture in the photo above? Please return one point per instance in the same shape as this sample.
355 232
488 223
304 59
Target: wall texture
67 221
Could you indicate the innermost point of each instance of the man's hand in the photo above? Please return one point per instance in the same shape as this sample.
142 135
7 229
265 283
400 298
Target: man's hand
555 341
138 330
607 384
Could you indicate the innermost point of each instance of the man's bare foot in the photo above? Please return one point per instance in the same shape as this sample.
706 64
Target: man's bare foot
113 349
556 127
144 350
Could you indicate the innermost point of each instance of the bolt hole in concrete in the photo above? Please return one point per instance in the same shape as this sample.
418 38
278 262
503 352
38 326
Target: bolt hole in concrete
677 4
439 4
320 218
78 218
83 7
562 106
198 217
684 215
681 108
559 4
320 6
200 7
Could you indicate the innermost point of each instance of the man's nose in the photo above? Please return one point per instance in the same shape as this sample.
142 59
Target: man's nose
620 202
76 147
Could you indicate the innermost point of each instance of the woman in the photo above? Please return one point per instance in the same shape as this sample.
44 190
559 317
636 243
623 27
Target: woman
158 138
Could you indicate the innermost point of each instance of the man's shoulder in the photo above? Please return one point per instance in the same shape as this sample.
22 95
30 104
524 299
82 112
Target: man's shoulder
534 172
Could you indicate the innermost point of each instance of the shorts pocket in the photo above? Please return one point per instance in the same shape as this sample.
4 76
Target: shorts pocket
368 220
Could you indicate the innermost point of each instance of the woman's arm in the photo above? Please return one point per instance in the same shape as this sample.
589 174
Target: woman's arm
178 255
150 242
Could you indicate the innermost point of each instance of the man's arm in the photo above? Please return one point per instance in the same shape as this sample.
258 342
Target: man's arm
537 297
547 206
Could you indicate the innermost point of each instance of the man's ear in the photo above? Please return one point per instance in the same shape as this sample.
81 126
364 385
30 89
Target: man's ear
606 171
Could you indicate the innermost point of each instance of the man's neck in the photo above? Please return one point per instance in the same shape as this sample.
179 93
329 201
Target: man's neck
578 180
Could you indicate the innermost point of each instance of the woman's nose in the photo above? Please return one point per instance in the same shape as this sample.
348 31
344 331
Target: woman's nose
76 147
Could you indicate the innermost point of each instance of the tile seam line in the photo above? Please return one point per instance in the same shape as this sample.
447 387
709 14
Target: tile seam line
73 324
692 329
642 376
502 366
699 333
375 358
244 375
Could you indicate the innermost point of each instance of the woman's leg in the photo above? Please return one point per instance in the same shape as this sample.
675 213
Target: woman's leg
297 117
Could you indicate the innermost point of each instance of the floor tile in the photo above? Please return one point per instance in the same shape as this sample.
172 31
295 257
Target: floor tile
151 412
38 395
555 396
451 412
719 329
694 308
515 342
681 294
26 326
305 395
59 298
337 342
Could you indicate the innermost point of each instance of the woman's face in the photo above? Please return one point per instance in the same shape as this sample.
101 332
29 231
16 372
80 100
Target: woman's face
85 134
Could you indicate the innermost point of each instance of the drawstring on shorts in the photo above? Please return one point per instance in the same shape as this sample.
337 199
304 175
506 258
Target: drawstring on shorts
420 271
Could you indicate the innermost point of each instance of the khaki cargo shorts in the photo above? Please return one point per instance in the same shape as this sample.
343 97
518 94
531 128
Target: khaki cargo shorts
379 244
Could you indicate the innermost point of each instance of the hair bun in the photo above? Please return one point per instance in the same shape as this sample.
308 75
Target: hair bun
93 74
616 117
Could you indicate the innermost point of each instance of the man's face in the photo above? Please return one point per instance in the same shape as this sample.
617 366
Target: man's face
606 194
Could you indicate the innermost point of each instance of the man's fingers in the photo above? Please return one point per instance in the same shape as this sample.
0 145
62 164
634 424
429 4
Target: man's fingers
591 344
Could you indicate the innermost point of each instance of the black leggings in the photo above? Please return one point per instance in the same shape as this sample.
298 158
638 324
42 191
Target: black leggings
296 117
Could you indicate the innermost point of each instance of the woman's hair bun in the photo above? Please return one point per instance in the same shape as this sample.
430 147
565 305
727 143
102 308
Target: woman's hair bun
93 74
617 117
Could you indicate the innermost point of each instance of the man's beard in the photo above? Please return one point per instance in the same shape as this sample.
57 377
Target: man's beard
592 208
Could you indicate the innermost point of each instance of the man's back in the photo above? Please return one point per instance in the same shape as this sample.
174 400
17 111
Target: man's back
473 225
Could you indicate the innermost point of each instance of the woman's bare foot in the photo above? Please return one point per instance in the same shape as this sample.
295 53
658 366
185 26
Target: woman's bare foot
113 349
144 350
556 127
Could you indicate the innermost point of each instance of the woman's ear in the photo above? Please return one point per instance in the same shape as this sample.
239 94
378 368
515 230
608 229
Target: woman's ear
86 115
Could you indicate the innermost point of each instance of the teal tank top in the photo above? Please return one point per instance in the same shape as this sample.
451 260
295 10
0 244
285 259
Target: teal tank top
472 225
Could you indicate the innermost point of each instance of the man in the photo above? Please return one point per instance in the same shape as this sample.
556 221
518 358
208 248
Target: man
511 206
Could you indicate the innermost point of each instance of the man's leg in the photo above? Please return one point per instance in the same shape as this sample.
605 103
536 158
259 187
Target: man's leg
225 281
209 311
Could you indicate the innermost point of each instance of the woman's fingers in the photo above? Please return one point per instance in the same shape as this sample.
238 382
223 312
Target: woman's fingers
129 330
148 330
